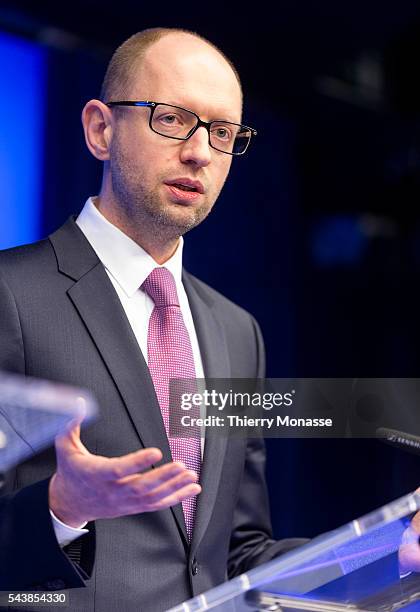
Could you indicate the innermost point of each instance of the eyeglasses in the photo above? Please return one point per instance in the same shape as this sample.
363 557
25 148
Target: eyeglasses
179 123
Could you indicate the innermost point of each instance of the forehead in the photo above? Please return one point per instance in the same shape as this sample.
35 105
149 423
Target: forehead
183 70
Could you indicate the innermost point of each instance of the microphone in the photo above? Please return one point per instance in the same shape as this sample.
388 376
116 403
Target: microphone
400 439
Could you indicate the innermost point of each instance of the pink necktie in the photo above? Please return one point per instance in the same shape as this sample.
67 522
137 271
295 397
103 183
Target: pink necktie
170 356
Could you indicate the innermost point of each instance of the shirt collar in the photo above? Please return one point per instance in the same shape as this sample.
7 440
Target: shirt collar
124 259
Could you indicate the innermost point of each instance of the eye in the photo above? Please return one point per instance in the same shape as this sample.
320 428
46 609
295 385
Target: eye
222 132
170 119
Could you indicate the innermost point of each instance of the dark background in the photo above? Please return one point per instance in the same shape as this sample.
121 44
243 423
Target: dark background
317 232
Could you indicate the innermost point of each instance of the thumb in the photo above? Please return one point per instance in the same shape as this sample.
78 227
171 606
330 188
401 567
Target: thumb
69 439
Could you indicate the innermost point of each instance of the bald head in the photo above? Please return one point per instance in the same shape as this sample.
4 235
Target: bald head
150 47
141 146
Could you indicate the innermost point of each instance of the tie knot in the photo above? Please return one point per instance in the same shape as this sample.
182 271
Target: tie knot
160 286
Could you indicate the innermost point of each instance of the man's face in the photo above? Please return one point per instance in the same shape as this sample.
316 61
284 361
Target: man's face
182 71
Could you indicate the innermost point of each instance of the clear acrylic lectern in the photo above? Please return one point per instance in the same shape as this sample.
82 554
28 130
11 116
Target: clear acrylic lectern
33 412
367 565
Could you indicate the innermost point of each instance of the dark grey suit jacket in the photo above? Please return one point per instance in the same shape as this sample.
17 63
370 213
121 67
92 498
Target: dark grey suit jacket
61 319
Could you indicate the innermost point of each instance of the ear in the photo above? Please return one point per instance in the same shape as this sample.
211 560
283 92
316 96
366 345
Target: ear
97 124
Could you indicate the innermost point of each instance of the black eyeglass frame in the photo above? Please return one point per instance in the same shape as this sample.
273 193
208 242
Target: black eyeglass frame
200 122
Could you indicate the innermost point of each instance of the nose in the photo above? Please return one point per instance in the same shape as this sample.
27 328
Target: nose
196 150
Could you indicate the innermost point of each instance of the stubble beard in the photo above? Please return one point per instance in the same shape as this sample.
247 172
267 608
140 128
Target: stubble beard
143 209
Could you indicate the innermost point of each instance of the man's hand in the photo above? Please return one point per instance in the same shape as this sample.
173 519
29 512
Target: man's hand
86 487
409 551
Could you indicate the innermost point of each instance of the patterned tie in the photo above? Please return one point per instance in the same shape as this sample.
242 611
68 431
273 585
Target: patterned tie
170 356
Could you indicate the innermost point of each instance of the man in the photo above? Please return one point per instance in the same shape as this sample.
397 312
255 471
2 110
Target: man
105 304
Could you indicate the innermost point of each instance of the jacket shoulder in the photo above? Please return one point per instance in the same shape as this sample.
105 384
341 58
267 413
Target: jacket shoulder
26 258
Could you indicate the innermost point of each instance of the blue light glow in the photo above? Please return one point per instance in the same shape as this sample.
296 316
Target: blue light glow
22 103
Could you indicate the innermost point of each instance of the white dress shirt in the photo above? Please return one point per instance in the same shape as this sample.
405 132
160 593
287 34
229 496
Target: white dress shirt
128 266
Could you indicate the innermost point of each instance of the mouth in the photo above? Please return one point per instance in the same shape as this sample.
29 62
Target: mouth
187 185
184 191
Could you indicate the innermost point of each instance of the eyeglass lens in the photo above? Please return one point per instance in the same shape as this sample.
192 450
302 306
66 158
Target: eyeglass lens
179 123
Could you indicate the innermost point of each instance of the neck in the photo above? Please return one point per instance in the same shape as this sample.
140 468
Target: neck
153 240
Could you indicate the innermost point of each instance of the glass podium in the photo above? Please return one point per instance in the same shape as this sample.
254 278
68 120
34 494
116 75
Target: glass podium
368 565
33 412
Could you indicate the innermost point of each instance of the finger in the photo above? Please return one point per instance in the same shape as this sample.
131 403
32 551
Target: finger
152 479
79 416
175 498
133 463
409 558
81 409
70 439
415 521
170 487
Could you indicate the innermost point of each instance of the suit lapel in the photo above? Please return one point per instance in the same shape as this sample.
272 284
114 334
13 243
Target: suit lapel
216 364
99 307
